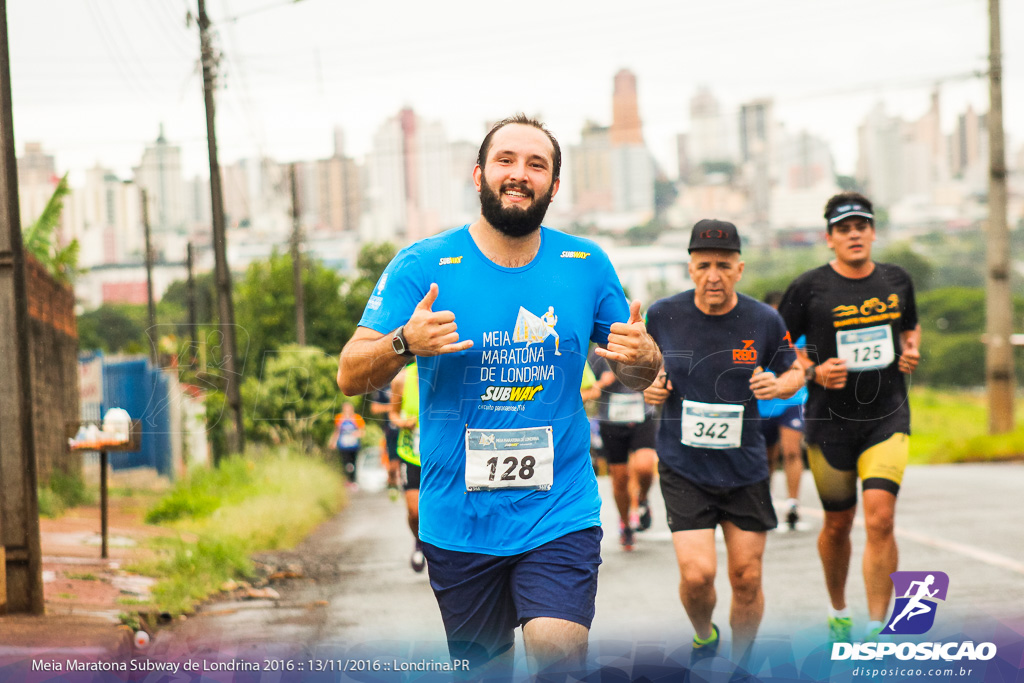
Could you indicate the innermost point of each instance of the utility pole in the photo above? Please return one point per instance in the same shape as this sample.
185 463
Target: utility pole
153 360
21 574
300 299
190 298
225 305
999 368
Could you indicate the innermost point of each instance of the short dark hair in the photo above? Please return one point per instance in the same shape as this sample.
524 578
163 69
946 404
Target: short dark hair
846 198
773 298
524 120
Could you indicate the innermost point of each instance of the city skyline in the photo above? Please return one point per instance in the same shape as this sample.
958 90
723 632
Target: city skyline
294 72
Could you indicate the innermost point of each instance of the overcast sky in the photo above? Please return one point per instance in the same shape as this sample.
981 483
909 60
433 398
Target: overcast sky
94 79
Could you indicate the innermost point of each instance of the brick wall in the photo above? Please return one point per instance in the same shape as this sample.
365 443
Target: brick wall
54 357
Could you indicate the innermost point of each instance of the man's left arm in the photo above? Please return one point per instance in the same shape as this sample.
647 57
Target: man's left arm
631 352
767 386
910 343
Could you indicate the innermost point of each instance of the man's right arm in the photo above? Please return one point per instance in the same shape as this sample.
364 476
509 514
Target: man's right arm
368 361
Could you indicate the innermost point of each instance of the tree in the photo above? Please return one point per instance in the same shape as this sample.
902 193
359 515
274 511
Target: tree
920 268
295 398
265 308
38 238
206 298
114 328
373 259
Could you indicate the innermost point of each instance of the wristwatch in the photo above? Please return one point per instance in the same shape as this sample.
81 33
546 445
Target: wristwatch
399 344
809 373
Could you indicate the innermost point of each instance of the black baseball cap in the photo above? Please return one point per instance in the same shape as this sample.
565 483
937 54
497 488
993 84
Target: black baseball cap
712 233
847 209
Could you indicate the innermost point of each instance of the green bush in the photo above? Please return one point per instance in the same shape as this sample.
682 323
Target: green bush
62 491
294 399
951 360
204 490
272 499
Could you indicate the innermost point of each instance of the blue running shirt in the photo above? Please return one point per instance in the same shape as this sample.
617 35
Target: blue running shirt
774 407
531 327
709 360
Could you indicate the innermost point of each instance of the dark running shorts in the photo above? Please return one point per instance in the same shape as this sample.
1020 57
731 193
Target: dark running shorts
792 417
483 598
410 476
874 451
690 506
622 439
391 440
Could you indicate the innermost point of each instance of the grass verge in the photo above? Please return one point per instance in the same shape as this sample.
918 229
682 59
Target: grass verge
268 500
952 426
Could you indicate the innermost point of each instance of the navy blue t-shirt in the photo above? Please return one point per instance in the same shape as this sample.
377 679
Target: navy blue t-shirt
709 360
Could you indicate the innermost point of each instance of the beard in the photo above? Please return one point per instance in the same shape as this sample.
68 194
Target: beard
513 221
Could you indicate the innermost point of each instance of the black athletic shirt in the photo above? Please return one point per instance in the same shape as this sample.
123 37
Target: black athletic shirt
821 303
710 359
600 366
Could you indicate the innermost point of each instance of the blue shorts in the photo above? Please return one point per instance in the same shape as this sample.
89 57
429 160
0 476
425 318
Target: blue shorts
792 417
483 598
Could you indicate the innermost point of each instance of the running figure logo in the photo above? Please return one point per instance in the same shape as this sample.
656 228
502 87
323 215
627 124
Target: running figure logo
534 329
917 592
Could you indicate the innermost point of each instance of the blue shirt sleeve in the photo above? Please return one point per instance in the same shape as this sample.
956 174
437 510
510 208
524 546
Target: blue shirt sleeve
611 305
784 356
400 288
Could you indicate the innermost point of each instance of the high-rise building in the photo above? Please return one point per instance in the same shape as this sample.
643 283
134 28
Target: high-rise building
160 174
105 215
631 164
758 153
879 159
330 191
37 179
257 197
411 189
591 164
708 141
626 127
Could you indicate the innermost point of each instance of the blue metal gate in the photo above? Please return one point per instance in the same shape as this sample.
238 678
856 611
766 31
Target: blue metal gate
143 392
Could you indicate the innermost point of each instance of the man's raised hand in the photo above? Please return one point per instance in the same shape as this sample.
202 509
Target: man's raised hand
632 353
430 332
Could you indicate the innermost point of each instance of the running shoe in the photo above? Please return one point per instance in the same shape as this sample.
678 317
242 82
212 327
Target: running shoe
645 516
874 632
627 537
393 493
634 520
840 629
792 517
417 561
705 649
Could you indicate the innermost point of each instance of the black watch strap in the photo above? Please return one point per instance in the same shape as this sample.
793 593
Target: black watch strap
399 344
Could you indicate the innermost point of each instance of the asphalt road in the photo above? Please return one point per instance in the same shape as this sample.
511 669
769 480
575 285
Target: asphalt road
358 593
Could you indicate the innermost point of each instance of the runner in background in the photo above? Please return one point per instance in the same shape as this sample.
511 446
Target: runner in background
627 427
349 429
782 421
404 414
860 318
380 407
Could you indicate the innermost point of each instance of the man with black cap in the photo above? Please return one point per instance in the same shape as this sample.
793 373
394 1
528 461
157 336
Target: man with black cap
722 352
862 334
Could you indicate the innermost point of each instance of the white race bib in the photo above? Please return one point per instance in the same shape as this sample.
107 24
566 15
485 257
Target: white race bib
625 407
510 459
712 425
868 348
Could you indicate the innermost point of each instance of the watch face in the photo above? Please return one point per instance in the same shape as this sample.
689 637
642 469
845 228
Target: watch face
398 344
